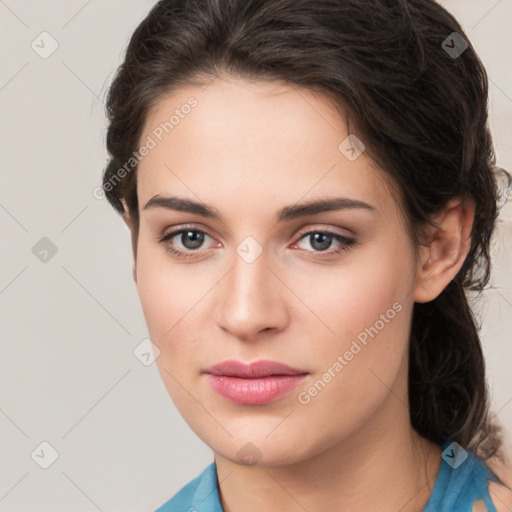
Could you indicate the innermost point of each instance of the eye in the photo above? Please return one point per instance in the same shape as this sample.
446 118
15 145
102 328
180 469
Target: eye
320 241
187 242
190 239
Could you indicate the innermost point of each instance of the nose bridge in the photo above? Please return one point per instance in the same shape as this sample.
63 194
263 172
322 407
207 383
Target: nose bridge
251 298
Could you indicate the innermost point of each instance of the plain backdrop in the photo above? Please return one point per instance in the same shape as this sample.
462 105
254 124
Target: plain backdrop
70 314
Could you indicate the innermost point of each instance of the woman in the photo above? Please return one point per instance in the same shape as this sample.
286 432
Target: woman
309 187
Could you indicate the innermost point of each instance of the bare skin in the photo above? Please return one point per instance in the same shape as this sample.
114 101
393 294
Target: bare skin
248 149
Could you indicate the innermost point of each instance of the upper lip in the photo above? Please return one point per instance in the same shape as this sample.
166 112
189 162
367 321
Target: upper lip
264 368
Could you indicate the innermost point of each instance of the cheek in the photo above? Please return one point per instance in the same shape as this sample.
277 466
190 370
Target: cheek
164 303
173 299
358 366
165 292
368 305
155 289
371 290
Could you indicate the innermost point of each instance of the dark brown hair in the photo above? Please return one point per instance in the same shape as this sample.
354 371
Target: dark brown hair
420 109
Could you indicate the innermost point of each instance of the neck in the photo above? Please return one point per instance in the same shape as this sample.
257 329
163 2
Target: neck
376 468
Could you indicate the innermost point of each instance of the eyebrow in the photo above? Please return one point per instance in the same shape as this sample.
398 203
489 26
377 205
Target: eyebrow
284 214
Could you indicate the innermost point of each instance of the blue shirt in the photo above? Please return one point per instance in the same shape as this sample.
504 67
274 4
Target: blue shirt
463 478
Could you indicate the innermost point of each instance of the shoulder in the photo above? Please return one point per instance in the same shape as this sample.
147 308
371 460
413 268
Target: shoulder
183 500
501 495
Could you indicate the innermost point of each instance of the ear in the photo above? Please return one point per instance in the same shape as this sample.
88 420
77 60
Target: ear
446 249
133 226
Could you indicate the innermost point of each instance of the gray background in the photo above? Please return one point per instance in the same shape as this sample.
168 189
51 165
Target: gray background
70 324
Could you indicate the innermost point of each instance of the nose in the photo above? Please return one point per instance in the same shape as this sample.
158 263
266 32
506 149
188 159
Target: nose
252 300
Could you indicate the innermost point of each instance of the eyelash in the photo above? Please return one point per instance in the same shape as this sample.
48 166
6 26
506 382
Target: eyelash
347 243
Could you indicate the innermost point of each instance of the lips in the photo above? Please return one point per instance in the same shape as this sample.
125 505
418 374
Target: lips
264 368
257 383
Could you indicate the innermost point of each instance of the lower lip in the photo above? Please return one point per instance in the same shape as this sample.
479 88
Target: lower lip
254 391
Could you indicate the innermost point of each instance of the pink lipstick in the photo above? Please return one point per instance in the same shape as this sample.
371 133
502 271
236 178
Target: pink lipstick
256 383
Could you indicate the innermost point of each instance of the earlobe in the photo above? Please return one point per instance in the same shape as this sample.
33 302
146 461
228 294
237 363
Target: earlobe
444 255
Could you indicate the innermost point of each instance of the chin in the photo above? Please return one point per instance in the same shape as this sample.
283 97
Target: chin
257 448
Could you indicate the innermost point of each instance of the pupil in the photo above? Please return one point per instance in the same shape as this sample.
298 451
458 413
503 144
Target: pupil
194 241
323 245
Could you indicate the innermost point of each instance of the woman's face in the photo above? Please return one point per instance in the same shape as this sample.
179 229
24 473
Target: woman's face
264 279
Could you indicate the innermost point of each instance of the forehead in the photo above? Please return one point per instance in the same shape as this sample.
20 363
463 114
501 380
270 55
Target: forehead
258 139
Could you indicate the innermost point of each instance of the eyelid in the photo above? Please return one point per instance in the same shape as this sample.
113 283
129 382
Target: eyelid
175 230
323 229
